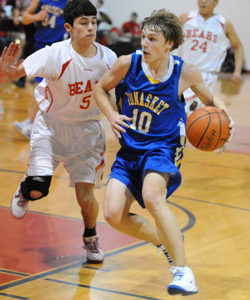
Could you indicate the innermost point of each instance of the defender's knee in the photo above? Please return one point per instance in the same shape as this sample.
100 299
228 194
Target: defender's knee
35 187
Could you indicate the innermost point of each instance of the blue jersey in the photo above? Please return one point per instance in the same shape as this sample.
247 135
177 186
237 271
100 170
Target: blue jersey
156 137
51 30
157 111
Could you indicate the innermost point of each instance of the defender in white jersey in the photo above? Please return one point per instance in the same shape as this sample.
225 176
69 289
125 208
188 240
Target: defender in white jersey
67 127
207 38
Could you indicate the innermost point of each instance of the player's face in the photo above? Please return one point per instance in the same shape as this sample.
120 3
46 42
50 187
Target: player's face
154 45
206 7
84 29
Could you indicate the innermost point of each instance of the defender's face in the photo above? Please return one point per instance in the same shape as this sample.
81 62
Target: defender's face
84 29
154 45
206 7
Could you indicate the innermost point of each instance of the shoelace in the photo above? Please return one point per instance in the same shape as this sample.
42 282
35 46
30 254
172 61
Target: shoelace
177 273
92 246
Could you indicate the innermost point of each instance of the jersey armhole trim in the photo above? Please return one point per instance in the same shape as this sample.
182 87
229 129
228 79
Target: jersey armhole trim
64 67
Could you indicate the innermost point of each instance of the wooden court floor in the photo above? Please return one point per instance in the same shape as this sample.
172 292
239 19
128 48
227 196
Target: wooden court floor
41 256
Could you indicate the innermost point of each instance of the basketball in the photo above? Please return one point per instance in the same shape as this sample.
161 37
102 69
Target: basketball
207 128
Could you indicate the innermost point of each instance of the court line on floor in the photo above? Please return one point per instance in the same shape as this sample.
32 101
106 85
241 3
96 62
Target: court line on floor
75 265
67 267
191 217
215 165
13 296
213 203
101 289
190 224
13 272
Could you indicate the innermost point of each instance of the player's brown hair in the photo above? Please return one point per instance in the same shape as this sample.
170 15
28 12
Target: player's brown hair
165 21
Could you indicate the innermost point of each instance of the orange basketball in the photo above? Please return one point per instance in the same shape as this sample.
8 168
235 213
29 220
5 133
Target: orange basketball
208 128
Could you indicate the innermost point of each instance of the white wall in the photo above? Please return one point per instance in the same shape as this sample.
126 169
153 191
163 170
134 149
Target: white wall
237 11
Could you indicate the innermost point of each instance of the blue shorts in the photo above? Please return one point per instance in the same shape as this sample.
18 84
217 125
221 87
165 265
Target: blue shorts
129 168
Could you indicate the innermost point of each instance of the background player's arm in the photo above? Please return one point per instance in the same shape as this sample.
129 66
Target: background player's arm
108 82
182 18
238 51
29 15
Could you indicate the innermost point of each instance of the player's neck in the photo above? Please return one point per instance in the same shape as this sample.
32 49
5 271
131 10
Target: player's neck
85 50
207 15
159 68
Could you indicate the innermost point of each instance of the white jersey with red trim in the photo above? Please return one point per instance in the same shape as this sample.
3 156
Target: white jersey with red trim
205 42
66 92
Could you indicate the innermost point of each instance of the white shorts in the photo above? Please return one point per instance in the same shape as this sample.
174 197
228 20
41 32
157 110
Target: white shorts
80 146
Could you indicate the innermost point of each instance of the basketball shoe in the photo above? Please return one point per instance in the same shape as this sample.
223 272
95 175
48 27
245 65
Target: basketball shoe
19 205
192 105
24 127
95 254
183 282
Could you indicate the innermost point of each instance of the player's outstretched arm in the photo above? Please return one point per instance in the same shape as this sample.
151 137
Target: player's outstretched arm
10 68
109 81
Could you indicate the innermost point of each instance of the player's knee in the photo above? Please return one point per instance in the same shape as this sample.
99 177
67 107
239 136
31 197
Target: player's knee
35 187
114 219
109 218
87 201
148 198
152 202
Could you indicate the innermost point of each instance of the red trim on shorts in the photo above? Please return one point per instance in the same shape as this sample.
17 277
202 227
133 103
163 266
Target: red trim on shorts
102 164
46 98
190 98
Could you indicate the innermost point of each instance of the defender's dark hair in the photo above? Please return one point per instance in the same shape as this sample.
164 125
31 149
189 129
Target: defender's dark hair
168 23
76 8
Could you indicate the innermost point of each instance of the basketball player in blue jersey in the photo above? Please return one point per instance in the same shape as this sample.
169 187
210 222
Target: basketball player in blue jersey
48 17
150 125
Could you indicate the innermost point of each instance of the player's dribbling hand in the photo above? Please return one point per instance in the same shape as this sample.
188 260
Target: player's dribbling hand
232 130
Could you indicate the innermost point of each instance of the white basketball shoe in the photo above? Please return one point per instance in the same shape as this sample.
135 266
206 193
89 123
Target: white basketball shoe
19 205
192 105
183 282
95 254
24 127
